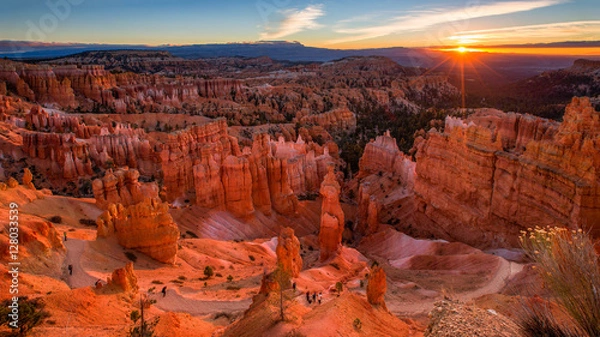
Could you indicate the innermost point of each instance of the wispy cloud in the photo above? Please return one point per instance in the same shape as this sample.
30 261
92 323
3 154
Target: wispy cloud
419 21
573 30
295 21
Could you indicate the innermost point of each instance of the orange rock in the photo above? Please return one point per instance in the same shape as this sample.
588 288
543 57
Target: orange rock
332 217
12 182
337 119
484 180
123 279
237 184
288 252
122 187
28 179
268 284
376 287
147 227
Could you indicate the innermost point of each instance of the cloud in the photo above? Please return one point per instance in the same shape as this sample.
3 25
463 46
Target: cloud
421 20
295 21
573 30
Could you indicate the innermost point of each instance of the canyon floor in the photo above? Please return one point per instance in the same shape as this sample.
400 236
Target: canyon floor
419 274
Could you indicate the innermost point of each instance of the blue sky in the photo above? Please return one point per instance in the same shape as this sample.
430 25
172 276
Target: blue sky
326 23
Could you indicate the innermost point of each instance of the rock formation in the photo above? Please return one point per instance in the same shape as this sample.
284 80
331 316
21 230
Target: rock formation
332 217
122 187
12 182
383 155
484 180
123 279
147 227
28 179
376 287
386 176
337 119
237 184
288 252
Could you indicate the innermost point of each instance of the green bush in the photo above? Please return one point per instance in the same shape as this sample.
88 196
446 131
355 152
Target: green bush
31 314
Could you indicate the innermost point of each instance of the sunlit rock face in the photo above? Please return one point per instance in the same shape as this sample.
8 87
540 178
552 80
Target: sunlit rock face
376 287
484 179
332 217
288 252
122 187
147 227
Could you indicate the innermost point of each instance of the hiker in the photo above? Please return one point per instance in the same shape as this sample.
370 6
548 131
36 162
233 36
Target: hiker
320 297
70 267
315 297
164 291
65 235
294 286
308 297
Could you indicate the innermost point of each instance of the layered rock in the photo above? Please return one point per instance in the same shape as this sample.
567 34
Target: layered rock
58 155
122 187
337 119
332 217
376 287
288 252
483 181
382 166
181 150
147 227
237 184
383 155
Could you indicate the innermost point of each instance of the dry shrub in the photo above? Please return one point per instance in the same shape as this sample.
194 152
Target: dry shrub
569 265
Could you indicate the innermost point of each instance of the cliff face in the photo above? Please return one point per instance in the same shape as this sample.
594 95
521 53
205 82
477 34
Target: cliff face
485 179
146 227
385 179
332 217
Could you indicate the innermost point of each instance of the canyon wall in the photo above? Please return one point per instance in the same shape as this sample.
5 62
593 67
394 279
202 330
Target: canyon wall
484 179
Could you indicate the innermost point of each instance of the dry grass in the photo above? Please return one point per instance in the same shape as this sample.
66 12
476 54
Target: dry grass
570 267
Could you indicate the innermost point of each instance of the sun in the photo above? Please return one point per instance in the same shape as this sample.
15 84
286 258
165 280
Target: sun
461 50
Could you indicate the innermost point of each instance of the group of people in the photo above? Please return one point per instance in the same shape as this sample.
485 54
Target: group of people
314 298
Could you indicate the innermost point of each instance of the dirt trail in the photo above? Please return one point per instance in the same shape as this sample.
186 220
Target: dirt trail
80 277
504 272
175 302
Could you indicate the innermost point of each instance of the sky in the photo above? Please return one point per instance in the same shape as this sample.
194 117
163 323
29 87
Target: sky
326 23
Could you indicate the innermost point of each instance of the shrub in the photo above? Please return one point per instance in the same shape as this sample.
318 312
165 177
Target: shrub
234 288
156 282
191 234
31 314
131 256
251 257
218 275
87 222
357 324
229 278
208 271
182 278
55 219
570 267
